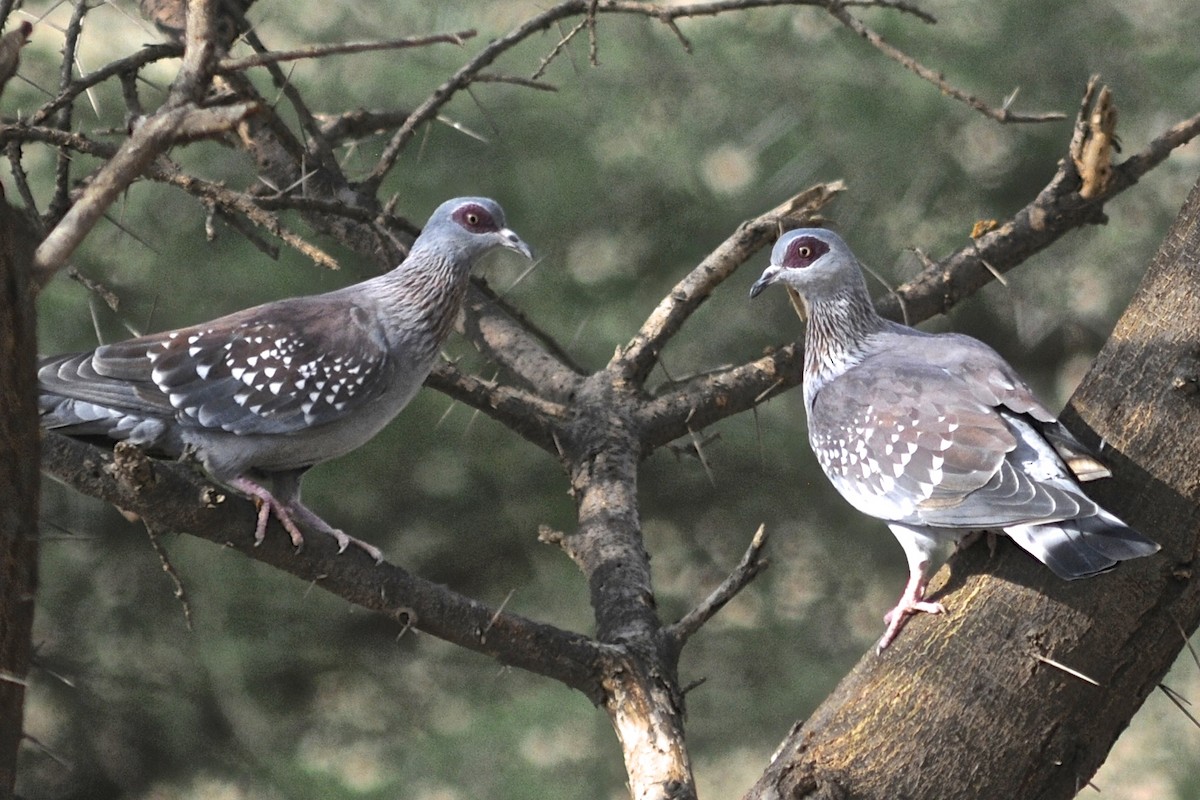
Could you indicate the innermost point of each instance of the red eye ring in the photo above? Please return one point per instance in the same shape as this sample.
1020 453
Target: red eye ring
475 218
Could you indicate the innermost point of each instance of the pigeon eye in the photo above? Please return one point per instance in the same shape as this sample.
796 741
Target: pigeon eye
804 252
475 218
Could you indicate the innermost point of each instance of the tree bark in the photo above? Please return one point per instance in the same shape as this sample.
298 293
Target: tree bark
19 477
1023 687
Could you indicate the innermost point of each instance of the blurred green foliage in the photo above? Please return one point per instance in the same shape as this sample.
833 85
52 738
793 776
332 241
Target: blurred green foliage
623 180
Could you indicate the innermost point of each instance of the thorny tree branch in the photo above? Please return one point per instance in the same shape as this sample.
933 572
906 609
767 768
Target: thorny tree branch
838 10
346 48
201 59
179 116
153 490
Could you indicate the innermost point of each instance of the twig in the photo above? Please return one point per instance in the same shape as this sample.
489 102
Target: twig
128 65
322 50
173 574
60 200
748 568
838 10
558 48
528 83
106 294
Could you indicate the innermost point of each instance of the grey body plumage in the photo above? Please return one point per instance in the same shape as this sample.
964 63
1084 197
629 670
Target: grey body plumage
936 433
263 394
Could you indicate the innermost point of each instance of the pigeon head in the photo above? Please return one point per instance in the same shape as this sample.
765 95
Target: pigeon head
811 261
470 227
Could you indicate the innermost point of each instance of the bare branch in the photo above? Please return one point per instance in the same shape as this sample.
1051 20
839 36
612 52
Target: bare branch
199 54
535 419
748 568
128 65
60 200
504 335
514 80
322 50
206 191
558 48
838 10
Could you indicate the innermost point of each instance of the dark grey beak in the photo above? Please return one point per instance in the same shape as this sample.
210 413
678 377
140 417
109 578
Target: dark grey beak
768 277
514 242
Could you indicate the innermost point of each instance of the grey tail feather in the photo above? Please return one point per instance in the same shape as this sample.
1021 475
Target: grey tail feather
1078 548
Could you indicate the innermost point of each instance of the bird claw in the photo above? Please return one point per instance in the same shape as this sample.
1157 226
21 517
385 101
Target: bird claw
344 540
898 616
917 607
267 504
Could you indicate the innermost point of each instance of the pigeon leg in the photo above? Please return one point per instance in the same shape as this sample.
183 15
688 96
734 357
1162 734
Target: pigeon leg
911 602
267 503
918 545
291 510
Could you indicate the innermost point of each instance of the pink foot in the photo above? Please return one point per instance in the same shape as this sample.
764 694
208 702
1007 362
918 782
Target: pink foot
911 602
267 504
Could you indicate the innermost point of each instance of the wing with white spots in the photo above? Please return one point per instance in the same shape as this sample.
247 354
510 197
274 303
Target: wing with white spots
266 370
925 450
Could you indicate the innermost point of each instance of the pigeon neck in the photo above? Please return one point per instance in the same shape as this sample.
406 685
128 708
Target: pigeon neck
425 293
840 326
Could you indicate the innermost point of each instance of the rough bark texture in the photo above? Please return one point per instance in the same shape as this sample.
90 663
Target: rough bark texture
968 705
18 492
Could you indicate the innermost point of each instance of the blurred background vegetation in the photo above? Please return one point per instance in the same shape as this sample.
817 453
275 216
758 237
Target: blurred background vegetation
622 179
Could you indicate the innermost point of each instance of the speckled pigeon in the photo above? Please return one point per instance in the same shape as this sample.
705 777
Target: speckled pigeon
936 433
261 395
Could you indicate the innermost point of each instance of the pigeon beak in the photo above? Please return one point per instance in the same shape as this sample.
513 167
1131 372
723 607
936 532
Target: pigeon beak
769 276
510 240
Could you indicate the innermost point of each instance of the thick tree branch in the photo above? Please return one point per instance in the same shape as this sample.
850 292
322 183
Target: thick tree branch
528 415
644 702
507 337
